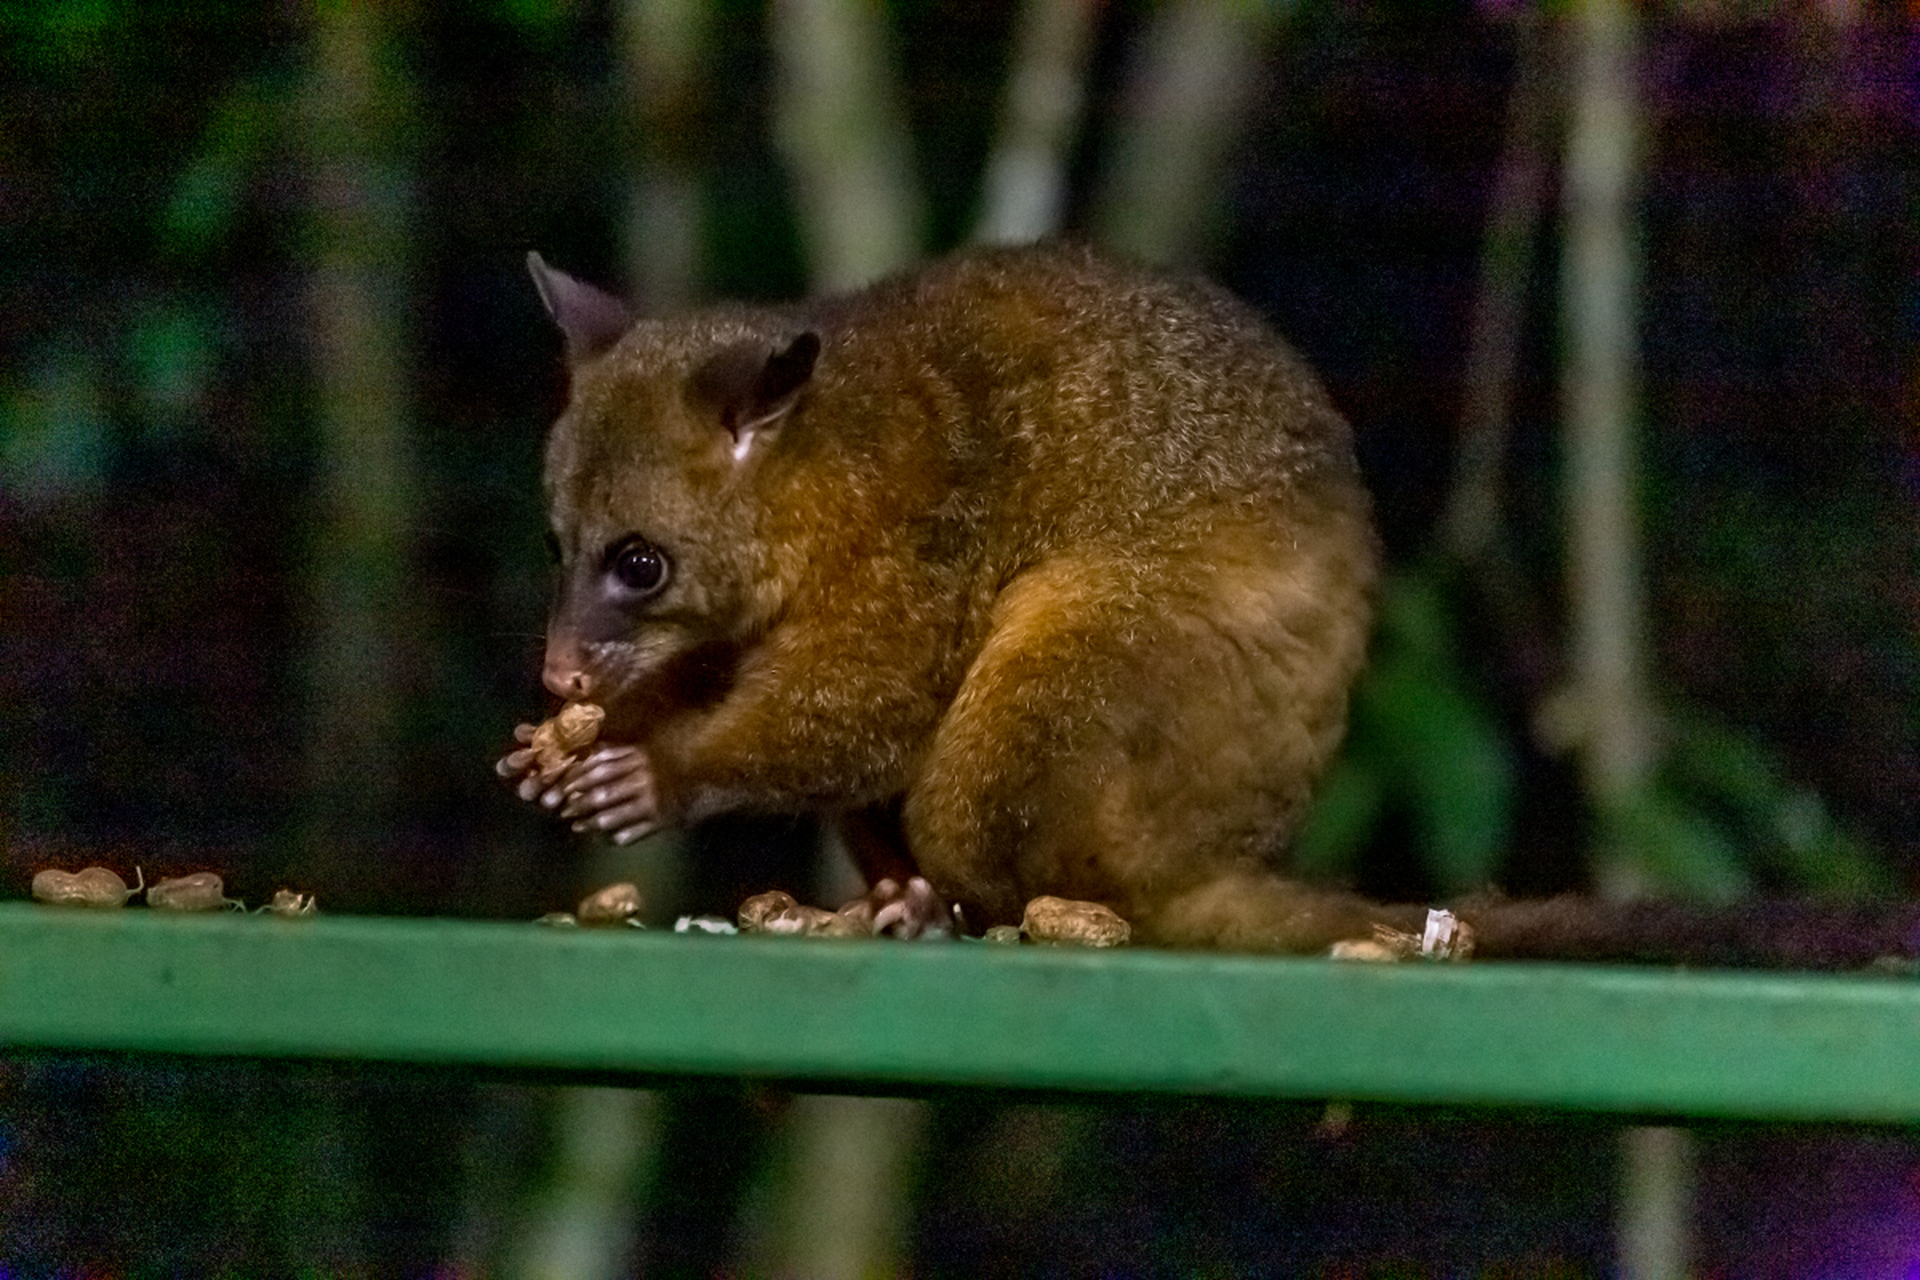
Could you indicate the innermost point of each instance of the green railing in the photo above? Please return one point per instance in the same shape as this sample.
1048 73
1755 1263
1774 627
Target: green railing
885 1017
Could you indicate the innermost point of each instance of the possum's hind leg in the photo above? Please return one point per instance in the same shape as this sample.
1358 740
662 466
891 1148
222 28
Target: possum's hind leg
1254 909
1141 730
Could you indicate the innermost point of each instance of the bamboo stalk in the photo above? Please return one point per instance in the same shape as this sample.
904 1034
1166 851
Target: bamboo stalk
842 131
360 532
1601 284
1186 102
1026 177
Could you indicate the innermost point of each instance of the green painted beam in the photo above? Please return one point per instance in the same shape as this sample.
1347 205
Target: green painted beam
886 1015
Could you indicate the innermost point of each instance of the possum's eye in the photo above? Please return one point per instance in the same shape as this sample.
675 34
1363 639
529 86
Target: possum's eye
638 566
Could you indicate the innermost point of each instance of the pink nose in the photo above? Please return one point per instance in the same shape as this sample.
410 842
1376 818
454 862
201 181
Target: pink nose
565 675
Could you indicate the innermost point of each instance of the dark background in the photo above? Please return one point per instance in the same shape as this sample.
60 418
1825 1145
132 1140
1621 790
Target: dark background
163 519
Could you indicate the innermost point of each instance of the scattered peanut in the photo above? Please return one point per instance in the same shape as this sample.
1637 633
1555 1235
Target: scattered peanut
1447 937
290 905
777 912
614 904
1086 924
198 891
93 887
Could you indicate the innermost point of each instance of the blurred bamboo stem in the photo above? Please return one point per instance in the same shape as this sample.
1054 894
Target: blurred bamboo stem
1515 210
663 46
361 207
844 1205
358 529
1186 102
1601 285
583 1225
606 1142
842 131
1026 177
1657 1183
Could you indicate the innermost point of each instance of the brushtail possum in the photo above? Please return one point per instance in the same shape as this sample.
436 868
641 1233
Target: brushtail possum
1042 574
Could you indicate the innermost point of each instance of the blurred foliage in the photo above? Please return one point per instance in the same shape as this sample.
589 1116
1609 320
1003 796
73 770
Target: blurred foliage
60 33
1423 739
210 194
1721 816
1725 814
53 428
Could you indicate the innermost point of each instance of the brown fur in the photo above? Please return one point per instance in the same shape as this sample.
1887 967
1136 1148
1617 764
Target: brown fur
1045 574
1052 580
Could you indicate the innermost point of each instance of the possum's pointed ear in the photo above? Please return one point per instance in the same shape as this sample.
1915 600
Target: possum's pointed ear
753 390
591 320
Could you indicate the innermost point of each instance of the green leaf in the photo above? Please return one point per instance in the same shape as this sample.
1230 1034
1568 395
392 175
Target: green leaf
1787 826
1680 848
63 31
209 194
1414 619
1451 763
205 203
1344 814
173 355
1728 767
540 18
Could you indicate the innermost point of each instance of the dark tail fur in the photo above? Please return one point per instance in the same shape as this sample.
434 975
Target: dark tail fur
1742 935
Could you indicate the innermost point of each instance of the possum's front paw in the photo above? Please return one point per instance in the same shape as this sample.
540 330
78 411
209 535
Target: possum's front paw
609 790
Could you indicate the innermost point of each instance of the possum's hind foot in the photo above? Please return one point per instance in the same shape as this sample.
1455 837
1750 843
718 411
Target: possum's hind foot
903 910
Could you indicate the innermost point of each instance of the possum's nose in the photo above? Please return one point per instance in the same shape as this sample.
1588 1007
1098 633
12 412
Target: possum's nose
565 677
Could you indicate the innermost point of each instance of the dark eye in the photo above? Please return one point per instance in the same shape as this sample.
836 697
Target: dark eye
638 566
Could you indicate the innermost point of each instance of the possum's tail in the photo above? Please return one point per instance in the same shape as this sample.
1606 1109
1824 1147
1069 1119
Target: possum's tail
1760 934
1260 912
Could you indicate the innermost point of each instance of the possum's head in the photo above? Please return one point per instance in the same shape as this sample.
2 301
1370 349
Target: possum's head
655 484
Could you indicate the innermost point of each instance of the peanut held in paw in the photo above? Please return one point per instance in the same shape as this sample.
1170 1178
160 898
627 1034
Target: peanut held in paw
1083 924
563 736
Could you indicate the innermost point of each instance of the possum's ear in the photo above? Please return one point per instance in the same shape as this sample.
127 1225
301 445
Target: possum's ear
591 320
752 390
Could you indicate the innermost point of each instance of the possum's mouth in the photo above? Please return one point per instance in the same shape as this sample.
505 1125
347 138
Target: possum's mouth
645 680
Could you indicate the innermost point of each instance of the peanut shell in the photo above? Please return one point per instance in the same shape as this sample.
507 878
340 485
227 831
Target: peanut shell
565 734
1085 924
93 887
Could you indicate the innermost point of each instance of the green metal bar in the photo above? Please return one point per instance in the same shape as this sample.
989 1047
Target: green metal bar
885 1015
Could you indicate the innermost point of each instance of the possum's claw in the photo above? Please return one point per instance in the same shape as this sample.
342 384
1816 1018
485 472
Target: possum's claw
609 791
912 910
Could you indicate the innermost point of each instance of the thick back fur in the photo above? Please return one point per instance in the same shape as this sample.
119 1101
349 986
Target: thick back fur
1054 575
1041 573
